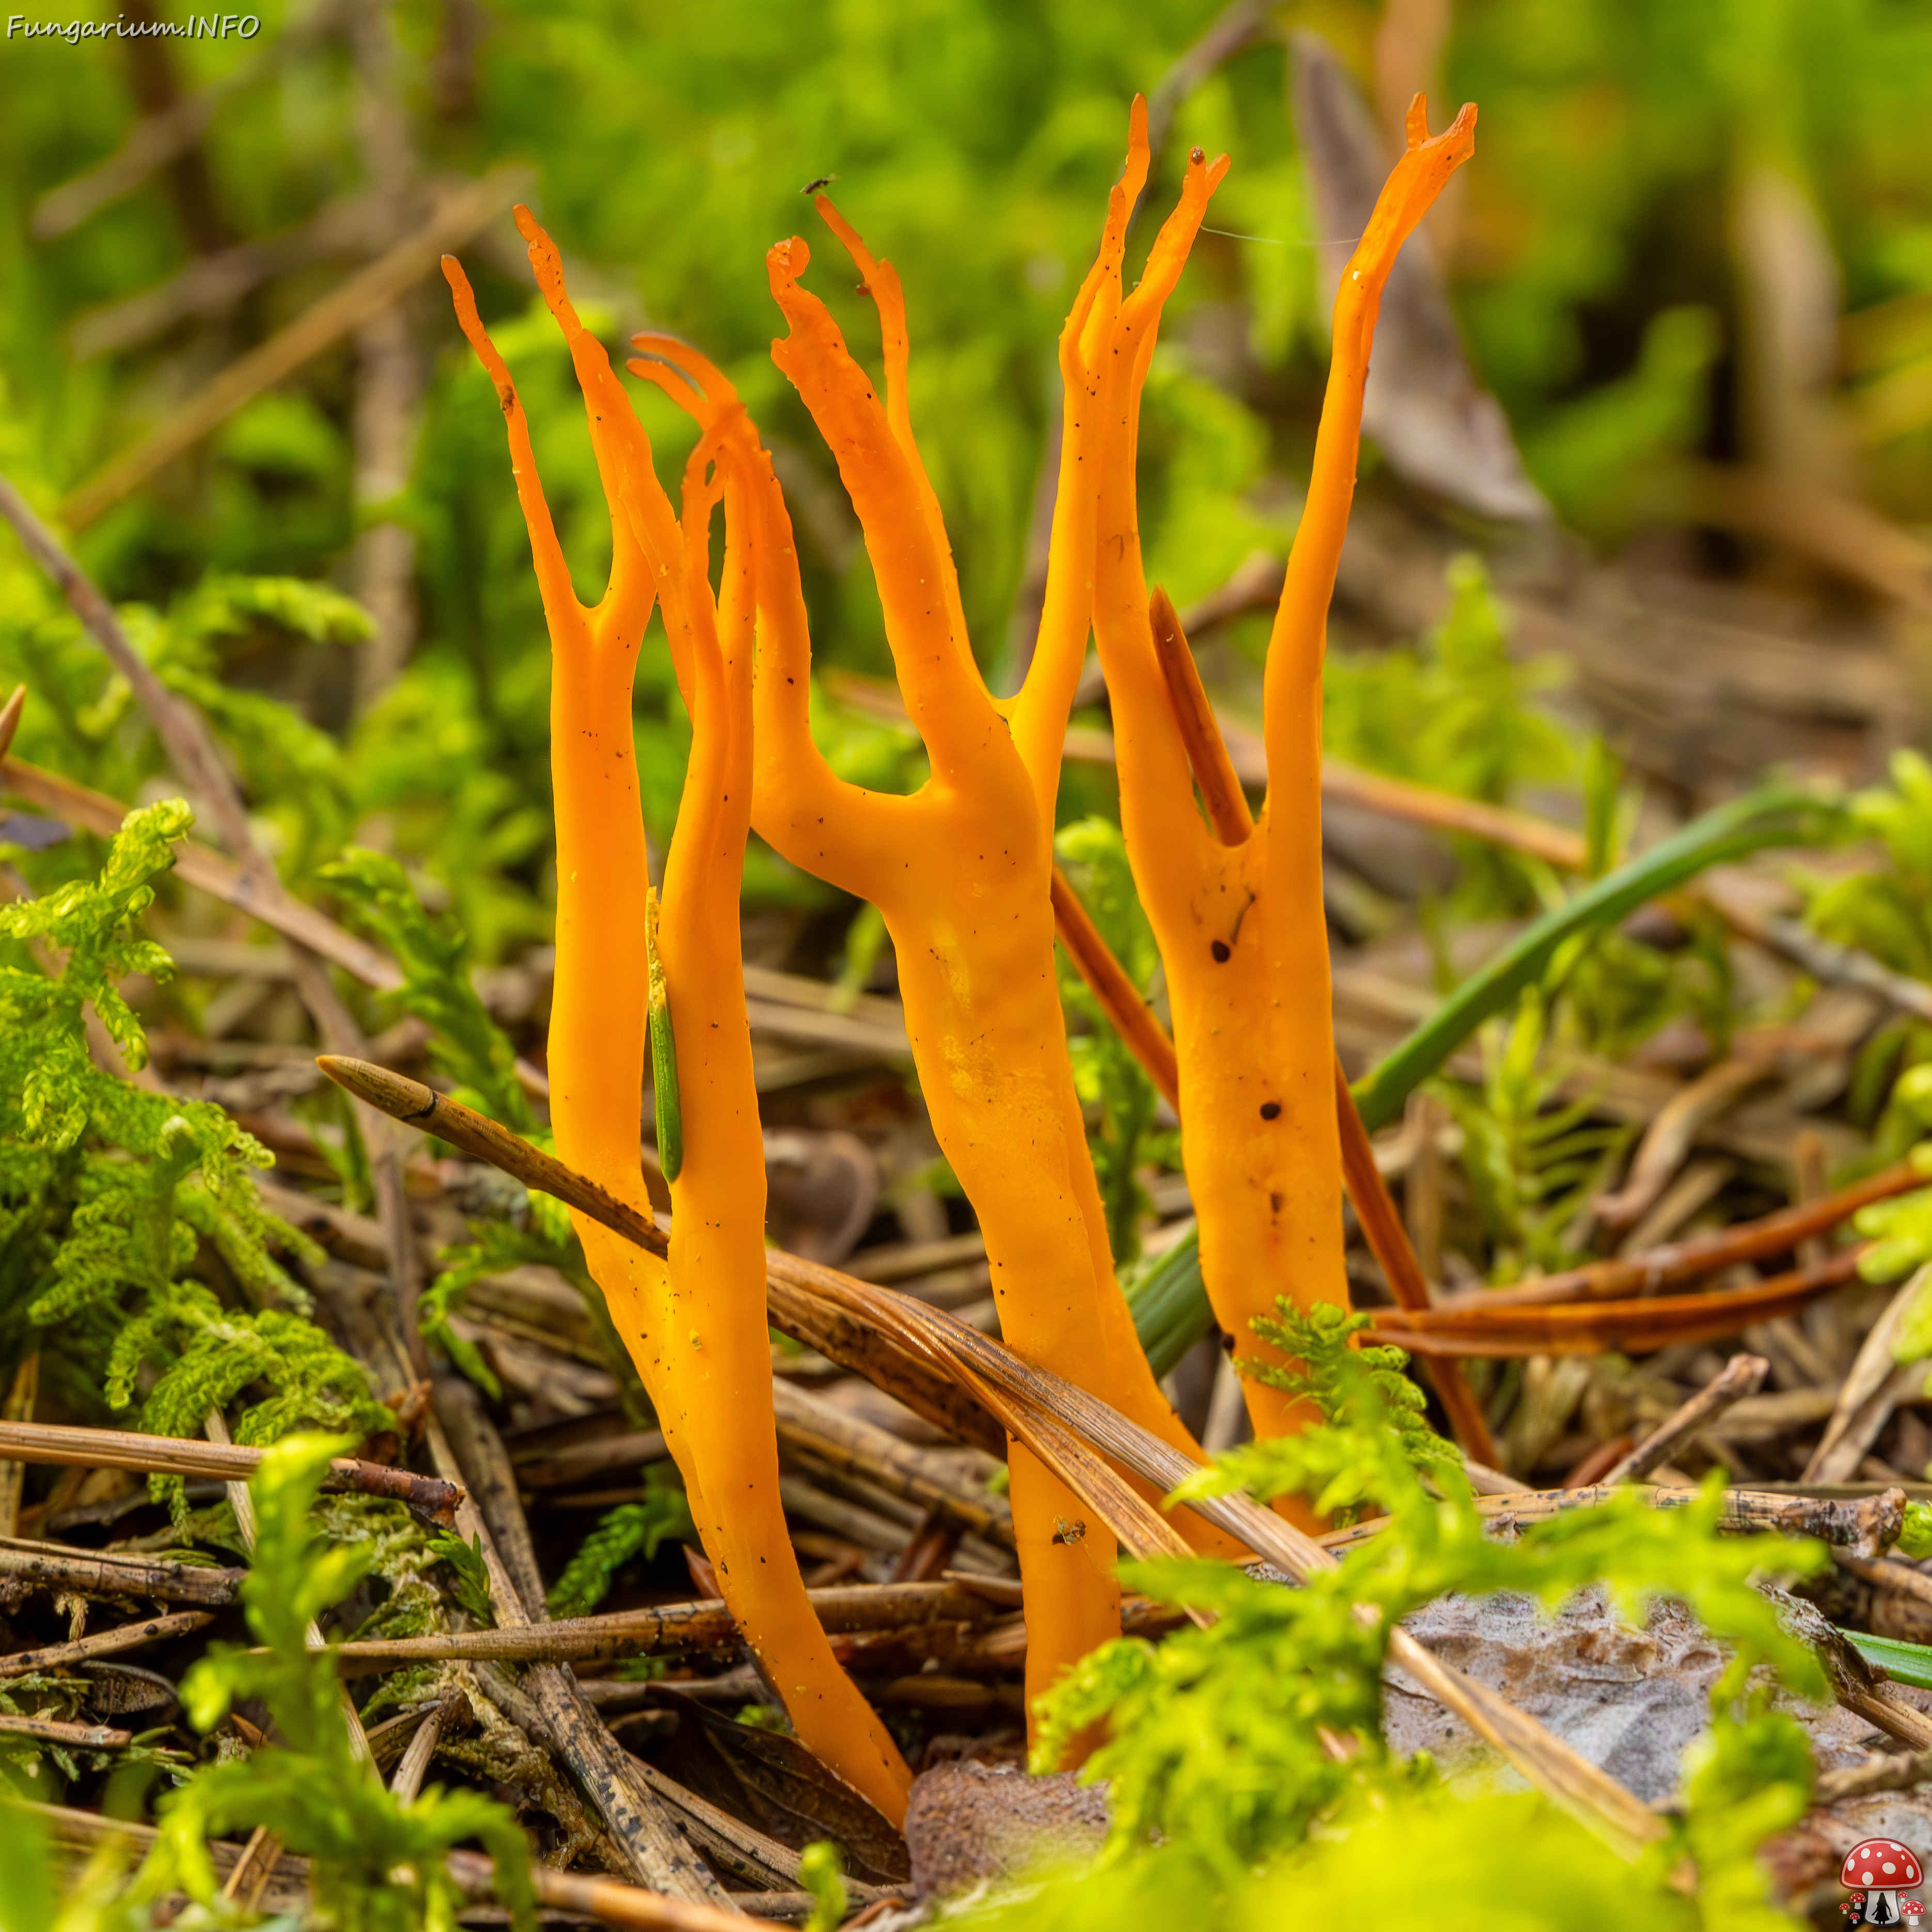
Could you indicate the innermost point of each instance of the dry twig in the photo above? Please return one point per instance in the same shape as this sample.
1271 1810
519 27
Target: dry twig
53 1566
430 1499
58 1657
1742 1375
665 1629
1678 1262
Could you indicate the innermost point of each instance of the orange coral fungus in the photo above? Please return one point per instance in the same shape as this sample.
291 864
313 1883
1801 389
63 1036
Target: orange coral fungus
696 1327
961 871
1236 904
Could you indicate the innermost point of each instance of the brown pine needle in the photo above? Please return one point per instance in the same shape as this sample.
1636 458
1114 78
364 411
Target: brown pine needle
1677 1262
923 1388
1221 791
1130 1015
1591 1327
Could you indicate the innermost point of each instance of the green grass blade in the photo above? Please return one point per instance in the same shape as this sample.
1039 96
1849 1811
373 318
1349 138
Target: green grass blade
670 1109
1902 1663
1170 1304
1774 815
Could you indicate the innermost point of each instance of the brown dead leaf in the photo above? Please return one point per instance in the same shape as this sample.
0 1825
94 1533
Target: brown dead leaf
772 1782
1423 407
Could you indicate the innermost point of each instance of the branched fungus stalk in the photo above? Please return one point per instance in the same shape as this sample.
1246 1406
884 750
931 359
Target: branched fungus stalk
696 1326
960 871
1236 903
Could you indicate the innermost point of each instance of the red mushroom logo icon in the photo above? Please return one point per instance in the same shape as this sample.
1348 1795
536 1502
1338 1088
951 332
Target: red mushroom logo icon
1881 1868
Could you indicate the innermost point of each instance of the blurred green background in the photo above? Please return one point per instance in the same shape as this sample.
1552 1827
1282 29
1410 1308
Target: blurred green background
1693 229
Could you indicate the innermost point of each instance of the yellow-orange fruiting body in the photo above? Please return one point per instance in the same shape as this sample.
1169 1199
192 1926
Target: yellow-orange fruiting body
961 873
1240 919
695 1327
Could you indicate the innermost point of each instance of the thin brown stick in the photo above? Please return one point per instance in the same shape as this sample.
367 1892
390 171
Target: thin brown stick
1591 1327
206 869
52 1566
1130 1015
1444 812
19 1408
665 1629
1741 1376
104 1643
95 1737
183 736
602 1899
457 216
10 718
1388 1238
929 1393
429 1112
1677 1262
1884 1770
429 1498
1858 1523
557 1469
1207 750
1901 1580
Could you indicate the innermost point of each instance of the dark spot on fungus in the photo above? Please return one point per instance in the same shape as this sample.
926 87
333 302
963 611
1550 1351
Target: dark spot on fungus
1222 951
1270 1110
